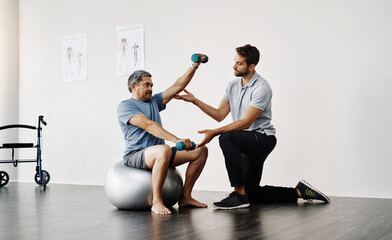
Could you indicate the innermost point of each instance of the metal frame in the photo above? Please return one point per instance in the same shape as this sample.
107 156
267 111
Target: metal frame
43 176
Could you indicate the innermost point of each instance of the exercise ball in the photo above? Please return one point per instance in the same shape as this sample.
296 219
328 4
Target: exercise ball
130 188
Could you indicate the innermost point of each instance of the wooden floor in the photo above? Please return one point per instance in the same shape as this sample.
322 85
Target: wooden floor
83 212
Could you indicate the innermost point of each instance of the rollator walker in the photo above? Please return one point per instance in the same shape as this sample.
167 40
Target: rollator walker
41 177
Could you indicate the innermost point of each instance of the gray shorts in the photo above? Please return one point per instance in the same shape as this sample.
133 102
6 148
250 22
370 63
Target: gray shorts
135 159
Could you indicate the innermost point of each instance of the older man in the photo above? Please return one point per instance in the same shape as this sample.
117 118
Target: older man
145 137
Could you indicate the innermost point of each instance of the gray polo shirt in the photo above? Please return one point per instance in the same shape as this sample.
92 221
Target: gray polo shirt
257 93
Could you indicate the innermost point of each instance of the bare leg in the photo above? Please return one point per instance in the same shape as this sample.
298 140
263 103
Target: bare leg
157 158
197 160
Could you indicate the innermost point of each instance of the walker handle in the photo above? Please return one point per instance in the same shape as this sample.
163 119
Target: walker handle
41 119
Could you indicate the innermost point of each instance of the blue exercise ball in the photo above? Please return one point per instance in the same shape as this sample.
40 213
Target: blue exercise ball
130 188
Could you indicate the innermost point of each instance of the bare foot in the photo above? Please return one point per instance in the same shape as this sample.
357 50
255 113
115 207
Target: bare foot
190 202
160 209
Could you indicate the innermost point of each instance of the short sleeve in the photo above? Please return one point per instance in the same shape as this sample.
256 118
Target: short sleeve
227 94
126 110
261 96
159 100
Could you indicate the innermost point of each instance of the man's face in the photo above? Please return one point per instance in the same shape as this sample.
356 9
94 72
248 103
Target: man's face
143 90
240 66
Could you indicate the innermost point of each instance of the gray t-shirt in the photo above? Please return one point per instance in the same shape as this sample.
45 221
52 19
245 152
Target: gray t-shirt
136 138
257 93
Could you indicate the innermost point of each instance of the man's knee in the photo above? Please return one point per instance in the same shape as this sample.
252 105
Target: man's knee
203 153
166 151
225 138
163 153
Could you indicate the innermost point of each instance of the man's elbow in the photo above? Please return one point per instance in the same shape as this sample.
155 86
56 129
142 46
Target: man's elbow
179 86
149 126
247 124
219 118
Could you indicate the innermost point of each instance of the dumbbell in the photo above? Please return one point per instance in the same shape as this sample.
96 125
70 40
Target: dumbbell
197 58
181 146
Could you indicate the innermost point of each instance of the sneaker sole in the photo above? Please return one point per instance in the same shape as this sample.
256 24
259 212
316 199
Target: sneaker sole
318 191
229 208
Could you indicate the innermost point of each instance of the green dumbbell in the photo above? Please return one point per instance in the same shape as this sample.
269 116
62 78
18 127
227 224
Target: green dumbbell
197 58
181 146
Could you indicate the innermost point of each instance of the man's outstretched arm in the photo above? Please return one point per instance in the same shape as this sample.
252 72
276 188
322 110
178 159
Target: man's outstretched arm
155 129
218 114
249 117
181 82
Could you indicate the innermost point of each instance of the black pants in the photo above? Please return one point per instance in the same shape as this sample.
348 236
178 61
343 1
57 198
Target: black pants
245 153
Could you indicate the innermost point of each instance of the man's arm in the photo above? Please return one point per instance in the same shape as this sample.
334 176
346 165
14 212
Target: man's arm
218 114
180 84
249 117
156 129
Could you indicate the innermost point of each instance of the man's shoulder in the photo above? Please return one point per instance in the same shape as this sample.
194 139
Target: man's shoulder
126 102
262 82
157 96
234 82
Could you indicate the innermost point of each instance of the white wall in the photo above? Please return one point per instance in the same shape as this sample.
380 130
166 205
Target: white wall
9 78
328 63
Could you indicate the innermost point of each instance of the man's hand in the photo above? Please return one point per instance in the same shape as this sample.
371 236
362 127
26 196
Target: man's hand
208 136
188 97
188 143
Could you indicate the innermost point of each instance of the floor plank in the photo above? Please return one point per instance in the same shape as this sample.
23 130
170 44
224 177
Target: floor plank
83 212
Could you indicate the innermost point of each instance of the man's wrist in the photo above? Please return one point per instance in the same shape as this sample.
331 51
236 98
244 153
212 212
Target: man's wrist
194 67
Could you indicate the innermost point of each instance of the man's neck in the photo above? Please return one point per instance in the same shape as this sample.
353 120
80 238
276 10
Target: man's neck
134 96
246 79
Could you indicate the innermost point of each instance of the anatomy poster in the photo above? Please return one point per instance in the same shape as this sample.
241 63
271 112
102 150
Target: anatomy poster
130 49
75 57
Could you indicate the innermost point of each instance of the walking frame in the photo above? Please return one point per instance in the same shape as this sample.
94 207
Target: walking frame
41 177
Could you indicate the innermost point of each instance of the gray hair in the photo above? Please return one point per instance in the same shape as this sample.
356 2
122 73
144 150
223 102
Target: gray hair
136 77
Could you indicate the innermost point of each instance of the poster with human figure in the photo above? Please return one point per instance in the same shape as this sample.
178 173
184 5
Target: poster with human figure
75 57
130 49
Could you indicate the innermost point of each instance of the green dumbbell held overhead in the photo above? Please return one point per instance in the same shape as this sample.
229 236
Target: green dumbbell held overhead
197 58
181 146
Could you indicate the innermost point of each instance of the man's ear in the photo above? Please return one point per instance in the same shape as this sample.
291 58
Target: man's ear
252 67
133 86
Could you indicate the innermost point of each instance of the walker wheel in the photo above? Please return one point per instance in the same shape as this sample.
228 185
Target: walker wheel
4 178
45 178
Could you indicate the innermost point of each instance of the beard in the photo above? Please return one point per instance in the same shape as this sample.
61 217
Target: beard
147 96
241 74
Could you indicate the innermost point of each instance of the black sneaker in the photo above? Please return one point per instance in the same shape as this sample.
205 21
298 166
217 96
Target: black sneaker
233 201
308 192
